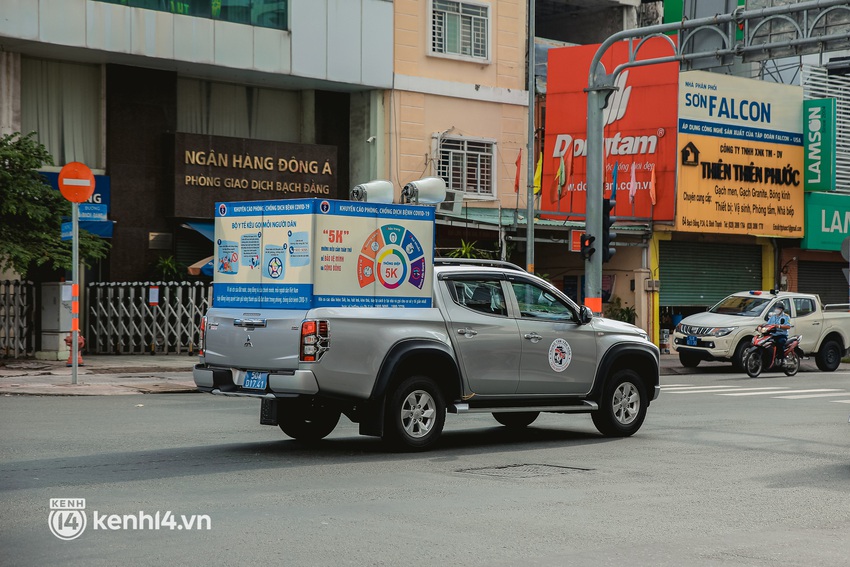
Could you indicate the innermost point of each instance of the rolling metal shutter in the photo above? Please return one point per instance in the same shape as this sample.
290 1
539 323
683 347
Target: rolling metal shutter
698 274
823 278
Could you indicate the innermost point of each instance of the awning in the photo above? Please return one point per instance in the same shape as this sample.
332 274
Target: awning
488 217
204 267
207 228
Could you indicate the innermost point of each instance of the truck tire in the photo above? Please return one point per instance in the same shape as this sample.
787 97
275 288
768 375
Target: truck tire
689 359
740 351
516 420
829 356
415 414
622 407
308 422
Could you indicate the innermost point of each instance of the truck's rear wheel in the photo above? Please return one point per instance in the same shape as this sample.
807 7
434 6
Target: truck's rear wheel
829 356
622 407
516 420
415 414
307 422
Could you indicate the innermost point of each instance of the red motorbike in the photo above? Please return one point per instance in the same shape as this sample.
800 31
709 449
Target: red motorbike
762 354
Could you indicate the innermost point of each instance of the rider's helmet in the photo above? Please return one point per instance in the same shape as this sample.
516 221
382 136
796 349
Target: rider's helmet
778 309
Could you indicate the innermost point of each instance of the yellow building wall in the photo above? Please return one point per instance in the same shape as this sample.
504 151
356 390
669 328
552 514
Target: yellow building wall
508 38
413 118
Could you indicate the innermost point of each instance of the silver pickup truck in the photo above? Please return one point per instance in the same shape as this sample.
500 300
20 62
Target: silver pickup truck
497 340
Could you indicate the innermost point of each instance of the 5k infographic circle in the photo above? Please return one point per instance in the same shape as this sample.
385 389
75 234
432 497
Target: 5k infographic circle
392 256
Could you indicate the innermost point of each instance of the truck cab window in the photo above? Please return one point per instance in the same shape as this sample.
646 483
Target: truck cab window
804 306
537 303
479 295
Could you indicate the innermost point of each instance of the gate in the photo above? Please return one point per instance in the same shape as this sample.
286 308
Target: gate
17 317
122 320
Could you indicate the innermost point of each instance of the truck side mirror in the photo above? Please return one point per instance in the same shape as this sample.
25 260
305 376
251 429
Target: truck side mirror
585 315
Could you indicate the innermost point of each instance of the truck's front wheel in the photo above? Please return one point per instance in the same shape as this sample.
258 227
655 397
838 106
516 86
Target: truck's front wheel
415 414
307 422
622 407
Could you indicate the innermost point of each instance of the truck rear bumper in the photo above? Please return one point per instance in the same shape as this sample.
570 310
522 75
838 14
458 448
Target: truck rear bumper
226 381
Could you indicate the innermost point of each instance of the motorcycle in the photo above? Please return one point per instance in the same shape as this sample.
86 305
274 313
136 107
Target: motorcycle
762 354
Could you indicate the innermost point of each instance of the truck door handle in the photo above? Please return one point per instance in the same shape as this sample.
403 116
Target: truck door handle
815 324
467 332
249 322
533 337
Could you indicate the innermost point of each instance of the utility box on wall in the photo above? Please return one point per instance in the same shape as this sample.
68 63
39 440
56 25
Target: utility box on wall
55 320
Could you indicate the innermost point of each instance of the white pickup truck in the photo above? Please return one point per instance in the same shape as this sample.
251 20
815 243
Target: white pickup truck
726 330
497 340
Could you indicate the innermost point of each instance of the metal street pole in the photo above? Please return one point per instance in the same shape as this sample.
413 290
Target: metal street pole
597 98
529 213
75 289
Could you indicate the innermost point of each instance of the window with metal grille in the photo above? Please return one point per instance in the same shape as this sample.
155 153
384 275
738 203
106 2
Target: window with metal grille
460 28
466 164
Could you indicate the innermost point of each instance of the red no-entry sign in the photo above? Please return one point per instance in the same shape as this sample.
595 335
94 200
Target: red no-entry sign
76 182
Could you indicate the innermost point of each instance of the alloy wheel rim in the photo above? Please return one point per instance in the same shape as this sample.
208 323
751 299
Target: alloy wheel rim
418 413
626 403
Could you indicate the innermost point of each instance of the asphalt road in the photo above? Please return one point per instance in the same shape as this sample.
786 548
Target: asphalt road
720 474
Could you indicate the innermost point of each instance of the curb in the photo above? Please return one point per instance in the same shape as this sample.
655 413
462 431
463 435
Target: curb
70 390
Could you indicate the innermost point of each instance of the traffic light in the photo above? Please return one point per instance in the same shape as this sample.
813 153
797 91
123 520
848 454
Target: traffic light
608 235
587 249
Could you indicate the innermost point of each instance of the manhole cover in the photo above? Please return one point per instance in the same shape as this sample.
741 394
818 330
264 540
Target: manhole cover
524 470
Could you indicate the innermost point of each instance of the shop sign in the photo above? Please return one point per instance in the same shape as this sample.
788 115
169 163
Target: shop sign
819 143
740 156
639 133
827 221
210 169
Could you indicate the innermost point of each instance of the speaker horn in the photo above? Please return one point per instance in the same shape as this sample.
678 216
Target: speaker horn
427 191
378 191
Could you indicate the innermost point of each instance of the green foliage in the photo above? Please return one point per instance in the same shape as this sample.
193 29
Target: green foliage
32 212
169 269
615 310
468 250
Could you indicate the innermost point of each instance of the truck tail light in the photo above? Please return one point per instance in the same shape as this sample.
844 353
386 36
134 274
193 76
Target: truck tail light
202 343
315 340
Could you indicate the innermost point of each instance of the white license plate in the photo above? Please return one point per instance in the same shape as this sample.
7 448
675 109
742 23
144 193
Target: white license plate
255 380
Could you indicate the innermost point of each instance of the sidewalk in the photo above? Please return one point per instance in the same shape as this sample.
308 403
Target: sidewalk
103 375
100 375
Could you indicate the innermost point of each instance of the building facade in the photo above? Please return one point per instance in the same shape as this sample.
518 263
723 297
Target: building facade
179 104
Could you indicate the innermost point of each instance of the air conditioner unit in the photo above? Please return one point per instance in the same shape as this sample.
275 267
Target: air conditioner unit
452 203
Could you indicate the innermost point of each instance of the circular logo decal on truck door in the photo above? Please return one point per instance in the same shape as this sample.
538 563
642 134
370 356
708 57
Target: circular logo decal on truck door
560 355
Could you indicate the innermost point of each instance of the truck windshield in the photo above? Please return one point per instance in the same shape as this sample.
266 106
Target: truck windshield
739 305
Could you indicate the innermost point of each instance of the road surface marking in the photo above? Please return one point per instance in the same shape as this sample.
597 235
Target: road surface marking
777 391
842 393
682 388
714 390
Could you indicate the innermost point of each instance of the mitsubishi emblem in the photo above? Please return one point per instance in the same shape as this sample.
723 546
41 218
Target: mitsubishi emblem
248 343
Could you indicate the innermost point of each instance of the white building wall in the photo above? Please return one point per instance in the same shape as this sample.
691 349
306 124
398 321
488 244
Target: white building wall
343 41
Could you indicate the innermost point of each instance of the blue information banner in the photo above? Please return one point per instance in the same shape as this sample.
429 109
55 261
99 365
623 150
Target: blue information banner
304 253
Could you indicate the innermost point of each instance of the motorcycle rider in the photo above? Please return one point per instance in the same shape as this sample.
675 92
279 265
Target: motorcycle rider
781 322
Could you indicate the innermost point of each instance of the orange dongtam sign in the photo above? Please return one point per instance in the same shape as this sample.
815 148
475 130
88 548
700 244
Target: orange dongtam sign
639 133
